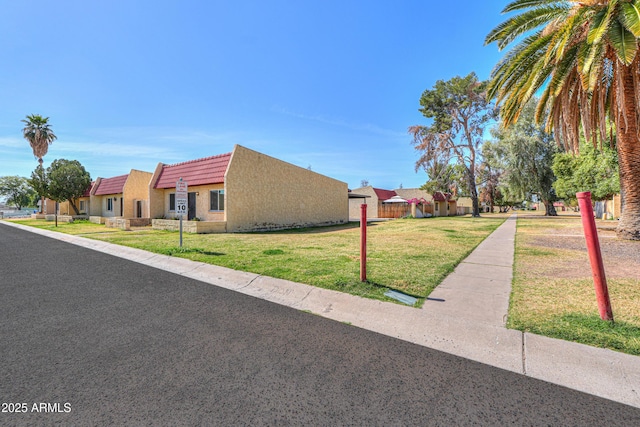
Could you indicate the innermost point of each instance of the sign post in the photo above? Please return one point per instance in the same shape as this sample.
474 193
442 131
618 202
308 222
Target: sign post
595 256
182 197
363 242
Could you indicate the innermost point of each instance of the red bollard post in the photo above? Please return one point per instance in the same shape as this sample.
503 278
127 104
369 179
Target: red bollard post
363 242
595 257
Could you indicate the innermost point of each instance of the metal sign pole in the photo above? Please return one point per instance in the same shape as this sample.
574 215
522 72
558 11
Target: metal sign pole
363 242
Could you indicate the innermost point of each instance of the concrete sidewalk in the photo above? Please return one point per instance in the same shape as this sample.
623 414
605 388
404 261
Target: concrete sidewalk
464 316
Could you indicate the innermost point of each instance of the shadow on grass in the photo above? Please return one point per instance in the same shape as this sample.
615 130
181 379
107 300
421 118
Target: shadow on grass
184 250
317 230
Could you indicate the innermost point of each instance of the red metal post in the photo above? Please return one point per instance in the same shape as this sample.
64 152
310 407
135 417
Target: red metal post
363 242
595 257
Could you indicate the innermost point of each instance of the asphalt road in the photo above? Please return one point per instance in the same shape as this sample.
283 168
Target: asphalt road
91 339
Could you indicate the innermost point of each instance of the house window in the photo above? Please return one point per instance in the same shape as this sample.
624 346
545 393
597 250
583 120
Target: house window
82 207
437 206
216 200
109 204
172 201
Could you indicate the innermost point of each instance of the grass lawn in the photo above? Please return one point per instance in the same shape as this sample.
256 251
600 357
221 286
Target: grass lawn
553 292
409 255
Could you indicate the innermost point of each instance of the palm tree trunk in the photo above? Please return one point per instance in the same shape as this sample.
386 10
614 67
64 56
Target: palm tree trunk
628 146
41 197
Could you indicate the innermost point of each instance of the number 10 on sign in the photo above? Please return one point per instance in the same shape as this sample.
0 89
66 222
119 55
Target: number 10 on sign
181 206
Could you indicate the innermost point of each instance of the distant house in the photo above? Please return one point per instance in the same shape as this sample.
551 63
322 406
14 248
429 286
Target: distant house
246 191
82 203
122 197
421 201
610 208
444 204
391 203
374 200
464 205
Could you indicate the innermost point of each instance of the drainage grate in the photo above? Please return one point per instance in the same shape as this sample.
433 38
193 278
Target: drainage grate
406 299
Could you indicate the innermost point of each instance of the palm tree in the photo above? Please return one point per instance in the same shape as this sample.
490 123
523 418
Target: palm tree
39 134
583 57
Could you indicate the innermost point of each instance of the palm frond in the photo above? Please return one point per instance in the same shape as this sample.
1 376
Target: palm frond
518 25
600 24
526 4
518 61
623 42
630 17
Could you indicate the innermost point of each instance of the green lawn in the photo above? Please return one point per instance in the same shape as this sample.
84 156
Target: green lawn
409 255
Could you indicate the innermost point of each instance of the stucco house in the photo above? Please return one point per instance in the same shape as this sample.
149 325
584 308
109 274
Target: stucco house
123 197
444 204
82 203
464 205
400 206
421 201
246 191
373 199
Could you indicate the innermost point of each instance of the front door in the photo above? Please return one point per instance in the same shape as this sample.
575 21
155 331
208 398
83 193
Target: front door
191 202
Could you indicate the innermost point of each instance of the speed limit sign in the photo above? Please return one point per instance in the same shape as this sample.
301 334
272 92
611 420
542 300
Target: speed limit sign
181 197
181 206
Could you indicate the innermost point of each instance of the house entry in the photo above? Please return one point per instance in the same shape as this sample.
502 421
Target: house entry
191 202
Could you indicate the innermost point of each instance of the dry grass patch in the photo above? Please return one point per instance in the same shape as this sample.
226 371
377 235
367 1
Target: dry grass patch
553 292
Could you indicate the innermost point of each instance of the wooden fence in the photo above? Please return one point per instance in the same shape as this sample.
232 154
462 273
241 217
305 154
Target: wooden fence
400 210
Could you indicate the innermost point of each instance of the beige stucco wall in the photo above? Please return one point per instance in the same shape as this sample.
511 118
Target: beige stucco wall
265 193
442 208
371 202
136 188
101 203
202 202
156 197
66 209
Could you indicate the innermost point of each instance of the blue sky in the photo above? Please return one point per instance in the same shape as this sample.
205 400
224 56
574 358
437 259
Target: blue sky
333 85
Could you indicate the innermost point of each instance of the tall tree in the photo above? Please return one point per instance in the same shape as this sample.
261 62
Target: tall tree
16 190
40 183
527 152
68 180
37 131
584 56
490 174
460 111
593 170
440 175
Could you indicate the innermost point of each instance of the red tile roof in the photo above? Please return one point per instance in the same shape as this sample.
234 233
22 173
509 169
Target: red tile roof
113 185
208 170
384 194
87 192
439 196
